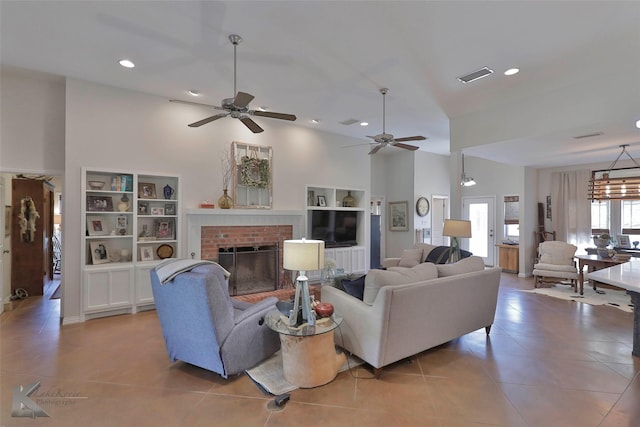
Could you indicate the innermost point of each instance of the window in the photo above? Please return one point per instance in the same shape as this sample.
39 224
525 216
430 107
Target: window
631 217
600 217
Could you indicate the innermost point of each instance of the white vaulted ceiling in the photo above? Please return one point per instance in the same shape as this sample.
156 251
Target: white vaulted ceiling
326 60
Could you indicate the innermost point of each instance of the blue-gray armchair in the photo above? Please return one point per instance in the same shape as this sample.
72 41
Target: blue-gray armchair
203 326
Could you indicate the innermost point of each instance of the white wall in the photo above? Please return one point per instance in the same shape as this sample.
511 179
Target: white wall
107 127
431 177
399 182
32 122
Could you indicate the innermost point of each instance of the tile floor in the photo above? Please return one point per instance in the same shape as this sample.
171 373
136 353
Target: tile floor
547 363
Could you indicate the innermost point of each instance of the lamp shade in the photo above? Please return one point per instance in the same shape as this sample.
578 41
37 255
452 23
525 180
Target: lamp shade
303 255
457 228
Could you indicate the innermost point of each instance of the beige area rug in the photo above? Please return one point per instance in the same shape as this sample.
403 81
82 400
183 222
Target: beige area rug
270 377
612 297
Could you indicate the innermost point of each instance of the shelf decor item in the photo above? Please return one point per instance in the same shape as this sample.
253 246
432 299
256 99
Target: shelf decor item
99 204
99 253
348 201
146 190
96 226
123 206
225 201
168 191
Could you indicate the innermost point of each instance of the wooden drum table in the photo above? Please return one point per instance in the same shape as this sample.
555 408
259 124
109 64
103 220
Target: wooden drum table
309 356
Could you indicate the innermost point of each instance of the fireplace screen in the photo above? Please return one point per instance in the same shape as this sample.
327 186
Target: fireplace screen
253 268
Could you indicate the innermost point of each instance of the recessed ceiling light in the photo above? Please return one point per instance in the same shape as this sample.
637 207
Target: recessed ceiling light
194 92
364 123
315 121
512 71
127 64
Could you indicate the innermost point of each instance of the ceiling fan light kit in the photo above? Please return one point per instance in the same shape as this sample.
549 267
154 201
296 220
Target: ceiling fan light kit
384 139
238 107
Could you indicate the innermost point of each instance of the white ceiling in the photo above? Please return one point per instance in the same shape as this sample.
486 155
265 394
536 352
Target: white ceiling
326 60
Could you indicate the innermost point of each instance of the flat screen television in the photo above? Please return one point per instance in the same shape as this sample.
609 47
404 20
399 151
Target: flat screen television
336 228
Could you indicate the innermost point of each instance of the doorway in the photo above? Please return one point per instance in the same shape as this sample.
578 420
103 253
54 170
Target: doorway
481 212
439 212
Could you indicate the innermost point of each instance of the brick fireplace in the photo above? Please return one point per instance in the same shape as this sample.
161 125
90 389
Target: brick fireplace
210 229
216 238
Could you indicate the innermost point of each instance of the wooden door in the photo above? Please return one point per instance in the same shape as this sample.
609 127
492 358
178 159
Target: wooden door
29 235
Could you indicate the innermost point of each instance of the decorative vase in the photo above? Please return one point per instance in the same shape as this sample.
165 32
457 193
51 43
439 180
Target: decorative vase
225 201
348 201
601 245
123 206
168 191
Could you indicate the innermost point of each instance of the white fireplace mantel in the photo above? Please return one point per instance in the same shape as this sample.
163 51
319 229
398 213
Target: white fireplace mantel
198 218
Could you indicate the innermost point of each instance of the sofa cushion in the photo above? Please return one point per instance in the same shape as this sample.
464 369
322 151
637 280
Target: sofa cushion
398 276
354 287
465 265
410 258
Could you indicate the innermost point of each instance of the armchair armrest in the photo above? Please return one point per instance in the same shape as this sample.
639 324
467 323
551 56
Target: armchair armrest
390 262
249 311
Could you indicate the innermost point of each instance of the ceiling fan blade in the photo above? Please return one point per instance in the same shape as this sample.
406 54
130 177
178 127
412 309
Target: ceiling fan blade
242 99
192 103
207 120
405 146
253 126
410 138
375 149
272 115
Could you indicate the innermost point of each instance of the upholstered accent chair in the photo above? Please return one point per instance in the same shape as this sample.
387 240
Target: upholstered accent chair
556 263
203 326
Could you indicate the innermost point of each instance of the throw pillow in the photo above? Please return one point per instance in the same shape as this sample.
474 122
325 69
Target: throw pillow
410 258
354 287
438 255
376 279
426 249
465 265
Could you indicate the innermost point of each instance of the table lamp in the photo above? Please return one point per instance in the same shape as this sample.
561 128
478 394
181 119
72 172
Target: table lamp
456 228
302 255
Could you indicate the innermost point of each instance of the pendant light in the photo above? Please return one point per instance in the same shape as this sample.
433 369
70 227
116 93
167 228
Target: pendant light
466 181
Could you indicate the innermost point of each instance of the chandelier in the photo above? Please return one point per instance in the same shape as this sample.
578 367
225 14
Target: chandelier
623 186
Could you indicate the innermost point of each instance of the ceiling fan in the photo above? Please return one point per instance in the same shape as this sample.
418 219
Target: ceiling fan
237 107
385 139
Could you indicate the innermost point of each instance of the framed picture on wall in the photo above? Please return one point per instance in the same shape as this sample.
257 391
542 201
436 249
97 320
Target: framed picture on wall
399 216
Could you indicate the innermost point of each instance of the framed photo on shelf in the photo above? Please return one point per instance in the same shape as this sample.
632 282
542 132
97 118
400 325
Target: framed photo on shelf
164 229
147 190
322 201
99 253
143 208
157 211
169 208
624 241
121 224
146 253
96 226
398 217
99 204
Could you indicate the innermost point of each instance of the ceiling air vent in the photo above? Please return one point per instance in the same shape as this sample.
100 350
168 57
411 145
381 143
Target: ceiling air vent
589 135
349 122
478 74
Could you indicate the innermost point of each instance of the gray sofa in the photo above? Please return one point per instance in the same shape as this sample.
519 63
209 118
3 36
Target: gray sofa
405 310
